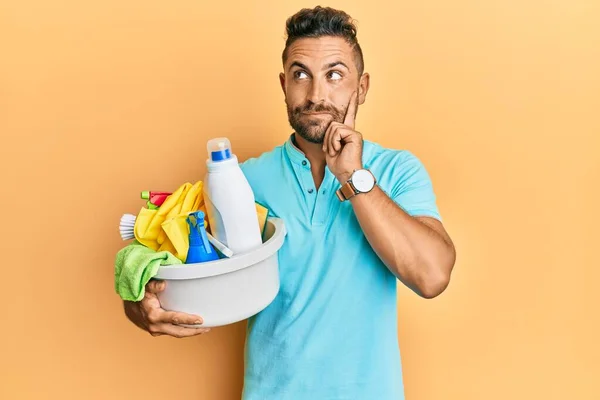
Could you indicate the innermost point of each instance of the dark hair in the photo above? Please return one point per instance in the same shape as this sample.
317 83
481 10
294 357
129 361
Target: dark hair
323 21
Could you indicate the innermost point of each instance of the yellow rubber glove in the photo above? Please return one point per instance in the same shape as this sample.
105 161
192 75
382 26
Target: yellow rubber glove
150 225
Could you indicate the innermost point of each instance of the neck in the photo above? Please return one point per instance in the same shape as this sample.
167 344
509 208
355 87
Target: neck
314 154
312 151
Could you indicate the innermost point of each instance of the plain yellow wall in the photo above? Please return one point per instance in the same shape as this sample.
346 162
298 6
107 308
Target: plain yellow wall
500 99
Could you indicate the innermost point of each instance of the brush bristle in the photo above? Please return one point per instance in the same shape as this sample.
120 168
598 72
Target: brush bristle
126 226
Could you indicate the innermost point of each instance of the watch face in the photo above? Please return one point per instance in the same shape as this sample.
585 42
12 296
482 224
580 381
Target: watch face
363 180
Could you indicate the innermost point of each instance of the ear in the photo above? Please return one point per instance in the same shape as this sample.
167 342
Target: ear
363 87
282 82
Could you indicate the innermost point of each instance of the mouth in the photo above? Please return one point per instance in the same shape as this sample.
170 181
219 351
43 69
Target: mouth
316 113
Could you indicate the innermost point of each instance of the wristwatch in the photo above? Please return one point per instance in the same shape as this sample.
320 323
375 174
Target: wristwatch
361 181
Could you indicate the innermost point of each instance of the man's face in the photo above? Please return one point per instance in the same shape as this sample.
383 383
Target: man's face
319 78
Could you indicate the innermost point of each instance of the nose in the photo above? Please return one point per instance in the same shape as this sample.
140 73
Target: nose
317 91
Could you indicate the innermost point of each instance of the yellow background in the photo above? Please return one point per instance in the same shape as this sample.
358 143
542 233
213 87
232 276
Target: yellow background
500 99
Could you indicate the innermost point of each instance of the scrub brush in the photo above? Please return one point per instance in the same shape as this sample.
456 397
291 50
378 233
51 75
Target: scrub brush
126 226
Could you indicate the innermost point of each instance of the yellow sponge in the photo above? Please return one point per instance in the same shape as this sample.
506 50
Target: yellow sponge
262 212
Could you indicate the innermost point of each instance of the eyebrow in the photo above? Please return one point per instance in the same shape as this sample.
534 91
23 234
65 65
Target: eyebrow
328 66
298 64
335 64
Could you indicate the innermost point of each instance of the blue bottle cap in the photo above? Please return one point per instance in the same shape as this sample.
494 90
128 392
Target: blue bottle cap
219 149
220 155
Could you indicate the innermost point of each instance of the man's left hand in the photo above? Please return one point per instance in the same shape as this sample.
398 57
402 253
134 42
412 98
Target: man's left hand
343 145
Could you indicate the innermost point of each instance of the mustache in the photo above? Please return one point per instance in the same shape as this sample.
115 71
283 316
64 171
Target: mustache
319 107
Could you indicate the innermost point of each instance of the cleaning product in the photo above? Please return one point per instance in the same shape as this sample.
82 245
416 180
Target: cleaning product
155 199
200 249
174 229
229 200
166 228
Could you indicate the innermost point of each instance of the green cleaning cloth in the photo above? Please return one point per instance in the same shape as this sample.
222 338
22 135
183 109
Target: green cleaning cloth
135 265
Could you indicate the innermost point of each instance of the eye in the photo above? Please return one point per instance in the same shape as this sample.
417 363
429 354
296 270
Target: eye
300 75
334 75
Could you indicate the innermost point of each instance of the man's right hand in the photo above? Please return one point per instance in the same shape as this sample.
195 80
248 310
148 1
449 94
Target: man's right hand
149 316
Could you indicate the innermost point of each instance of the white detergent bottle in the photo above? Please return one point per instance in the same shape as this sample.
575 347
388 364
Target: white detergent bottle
229 200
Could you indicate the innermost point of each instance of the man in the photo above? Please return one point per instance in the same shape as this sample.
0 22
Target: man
358 217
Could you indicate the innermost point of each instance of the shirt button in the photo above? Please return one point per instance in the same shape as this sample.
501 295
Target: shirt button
310 190
304 163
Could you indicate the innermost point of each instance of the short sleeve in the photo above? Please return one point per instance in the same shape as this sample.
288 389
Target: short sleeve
412 189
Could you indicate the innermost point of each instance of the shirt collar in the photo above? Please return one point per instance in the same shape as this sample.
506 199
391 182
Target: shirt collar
293 152
297 157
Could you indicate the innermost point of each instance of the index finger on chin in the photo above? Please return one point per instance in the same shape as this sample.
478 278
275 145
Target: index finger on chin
351 111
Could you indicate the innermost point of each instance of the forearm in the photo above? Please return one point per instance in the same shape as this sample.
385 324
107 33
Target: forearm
414 252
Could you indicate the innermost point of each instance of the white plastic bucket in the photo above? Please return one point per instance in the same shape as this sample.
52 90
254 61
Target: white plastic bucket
228 290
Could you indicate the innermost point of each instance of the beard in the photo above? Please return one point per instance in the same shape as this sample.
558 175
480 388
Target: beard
313 129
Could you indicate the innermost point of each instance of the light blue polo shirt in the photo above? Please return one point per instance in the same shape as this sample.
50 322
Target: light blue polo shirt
331 332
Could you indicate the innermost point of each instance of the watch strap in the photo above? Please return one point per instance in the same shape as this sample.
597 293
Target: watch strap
346 191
